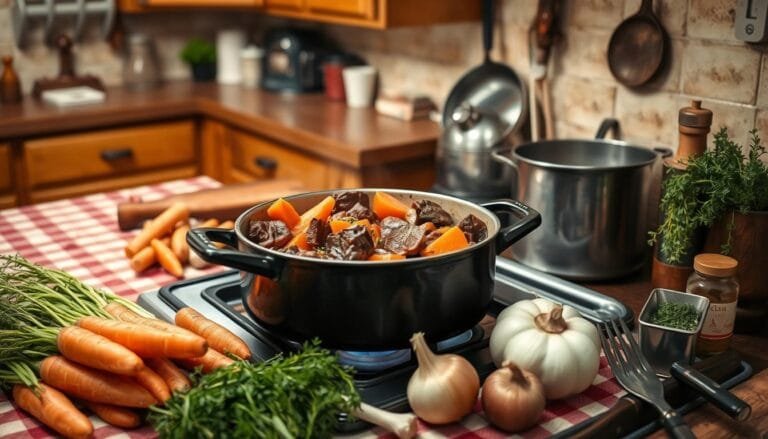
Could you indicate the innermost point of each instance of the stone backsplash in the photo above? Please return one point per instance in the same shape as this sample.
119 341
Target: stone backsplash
706 62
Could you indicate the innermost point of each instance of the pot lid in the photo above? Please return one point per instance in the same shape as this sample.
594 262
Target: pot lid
470 129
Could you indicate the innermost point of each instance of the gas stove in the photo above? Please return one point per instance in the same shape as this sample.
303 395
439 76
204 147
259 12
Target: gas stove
381 377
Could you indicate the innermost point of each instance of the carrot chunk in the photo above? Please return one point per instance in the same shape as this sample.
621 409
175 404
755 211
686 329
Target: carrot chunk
299 241
284 211
321 211
385 205
339 225
386 257
453 239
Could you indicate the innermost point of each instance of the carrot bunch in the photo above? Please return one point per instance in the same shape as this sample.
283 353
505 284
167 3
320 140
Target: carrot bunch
163 241
63 339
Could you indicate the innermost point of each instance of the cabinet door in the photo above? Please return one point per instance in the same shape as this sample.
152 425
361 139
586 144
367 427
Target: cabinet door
254 158
147 5
285 5
7 197
353 8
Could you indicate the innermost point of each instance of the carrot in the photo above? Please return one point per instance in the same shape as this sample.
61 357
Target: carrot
150 380
212 360
174 377
159 227
428 226
386 257
146 341
375 231
211 222
115 415
218 337
93 385
167 259
284 211
452 239
385 205
321 211
144 259
122 313
179 243
299 241
93 350
338 225
228 224
53 409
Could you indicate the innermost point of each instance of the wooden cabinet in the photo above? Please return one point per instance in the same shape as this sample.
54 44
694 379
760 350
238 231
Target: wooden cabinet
7 195
232 155
64 166
377 14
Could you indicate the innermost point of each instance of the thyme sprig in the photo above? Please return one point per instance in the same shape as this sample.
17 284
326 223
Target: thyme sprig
716 182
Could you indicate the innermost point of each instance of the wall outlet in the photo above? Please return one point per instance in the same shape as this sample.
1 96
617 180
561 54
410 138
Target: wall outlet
752 20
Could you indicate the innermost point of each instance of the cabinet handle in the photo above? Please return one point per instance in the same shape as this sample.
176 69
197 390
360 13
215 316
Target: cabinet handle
113 155
265 163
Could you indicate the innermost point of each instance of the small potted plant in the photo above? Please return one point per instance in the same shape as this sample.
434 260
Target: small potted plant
201 57
724 193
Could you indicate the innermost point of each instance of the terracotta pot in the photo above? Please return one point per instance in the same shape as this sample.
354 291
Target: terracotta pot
748 247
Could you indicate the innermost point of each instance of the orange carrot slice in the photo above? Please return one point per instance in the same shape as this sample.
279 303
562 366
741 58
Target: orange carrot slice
339 225
284 211
386 257
385 205
321 211
453 239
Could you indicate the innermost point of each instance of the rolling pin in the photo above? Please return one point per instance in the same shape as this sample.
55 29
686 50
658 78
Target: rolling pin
226 202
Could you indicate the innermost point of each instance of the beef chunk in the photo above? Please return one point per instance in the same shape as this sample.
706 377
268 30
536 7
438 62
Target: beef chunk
429 211
270 234
317 231
358 211
401 237
351 244
346 200
474 229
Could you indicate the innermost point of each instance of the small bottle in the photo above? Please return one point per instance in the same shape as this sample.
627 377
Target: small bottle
714 277
10 86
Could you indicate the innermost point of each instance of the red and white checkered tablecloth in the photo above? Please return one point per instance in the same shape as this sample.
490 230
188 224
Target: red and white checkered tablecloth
81 236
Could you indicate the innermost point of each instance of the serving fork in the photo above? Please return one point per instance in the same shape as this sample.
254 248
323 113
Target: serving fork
633 372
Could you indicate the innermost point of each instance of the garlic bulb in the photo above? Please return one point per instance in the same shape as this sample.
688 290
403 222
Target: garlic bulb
443 388
513 398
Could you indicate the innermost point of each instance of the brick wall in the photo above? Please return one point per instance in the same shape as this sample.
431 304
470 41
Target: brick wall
706 61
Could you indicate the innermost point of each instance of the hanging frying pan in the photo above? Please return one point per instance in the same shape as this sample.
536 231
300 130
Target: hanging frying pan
638 47
491 87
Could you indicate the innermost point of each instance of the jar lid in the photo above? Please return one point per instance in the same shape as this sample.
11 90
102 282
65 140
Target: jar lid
713 264
695 116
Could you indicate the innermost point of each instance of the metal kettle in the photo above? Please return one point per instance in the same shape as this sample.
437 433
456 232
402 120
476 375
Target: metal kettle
465 166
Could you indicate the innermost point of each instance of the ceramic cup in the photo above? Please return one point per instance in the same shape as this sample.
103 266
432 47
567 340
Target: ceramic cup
359 85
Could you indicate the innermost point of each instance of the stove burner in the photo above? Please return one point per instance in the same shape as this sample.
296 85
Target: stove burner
454 341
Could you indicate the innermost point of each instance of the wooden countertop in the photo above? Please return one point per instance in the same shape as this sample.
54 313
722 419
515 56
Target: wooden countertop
310 122
708 421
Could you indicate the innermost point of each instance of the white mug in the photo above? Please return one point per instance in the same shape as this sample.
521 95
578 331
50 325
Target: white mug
359 85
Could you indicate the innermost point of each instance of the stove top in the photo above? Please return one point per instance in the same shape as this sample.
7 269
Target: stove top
381 377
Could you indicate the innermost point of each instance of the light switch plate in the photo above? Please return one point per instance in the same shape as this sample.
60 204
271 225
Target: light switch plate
752 20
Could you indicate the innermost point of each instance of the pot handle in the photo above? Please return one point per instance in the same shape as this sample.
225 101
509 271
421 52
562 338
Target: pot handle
500 156
606 125
528 219
201 241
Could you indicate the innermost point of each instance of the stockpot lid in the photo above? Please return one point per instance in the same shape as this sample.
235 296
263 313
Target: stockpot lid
470 129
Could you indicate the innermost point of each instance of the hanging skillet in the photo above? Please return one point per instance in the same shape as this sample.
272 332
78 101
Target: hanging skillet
491 87
638 47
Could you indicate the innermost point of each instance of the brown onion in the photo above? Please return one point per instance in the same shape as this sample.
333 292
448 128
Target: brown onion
513 398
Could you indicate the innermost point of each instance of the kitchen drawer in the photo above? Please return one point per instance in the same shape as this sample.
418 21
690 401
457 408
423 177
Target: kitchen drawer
354 8
108 154
254 158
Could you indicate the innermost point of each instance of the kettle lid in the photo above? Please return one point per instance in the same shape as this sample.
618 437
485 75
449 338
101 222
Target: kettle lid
471 129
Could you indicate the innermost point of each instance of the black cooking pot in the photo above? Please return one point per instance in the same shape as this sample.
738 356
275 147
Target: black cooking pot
365 305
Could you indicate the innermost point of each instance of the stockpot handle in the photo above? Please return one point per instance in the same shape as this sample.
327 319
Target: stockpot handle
527 220
500 155
606 125
201 241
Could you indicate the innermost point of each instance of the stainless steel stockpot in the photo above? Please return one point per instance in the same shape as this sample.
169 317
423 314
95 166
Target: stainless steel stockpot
593 198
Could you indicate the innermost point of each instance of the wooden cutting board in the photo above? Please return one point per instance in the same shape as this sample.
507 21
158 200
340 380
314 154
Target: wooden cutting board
226 202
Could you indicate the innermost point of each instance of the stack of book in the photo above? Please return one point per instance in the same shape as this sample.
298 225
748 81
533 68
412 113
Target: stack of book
405 107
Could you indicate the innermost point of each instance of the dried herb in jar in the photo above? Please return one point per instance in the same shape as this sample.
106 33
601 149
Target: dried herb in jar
676 315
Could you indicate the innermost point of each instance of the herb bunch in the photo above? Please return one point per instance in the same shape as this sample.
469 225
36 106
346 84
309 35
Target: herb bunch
716 182
676 315
298 396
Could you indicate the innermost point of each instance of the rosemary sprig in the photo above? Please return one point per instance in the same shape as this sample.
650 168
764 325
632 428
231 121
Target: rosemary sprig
287 397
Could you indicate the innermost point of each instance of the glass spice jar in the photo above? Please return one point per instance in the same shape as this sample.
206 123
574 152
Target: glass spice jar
714 278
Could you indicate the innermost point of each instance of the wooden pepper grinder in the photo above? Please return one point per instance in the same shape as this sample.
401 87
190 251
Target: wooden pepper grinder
694 124
10 86
67 77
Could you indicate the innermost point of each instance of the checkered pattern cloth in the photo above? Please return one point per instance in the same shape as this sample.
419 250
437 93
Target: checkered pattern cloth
81 236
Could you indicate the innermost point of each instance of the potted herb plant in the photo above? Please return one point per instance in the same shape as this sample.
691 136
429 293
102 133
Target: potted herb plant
723 192
201 57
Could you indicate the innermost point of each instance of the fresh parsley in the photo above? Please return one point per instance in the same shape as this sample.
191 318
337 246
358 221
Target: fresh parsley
676 315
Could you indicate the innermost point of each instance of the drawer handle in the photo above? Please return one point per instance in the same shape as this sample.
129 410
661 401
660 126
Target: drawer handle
113 155
265 163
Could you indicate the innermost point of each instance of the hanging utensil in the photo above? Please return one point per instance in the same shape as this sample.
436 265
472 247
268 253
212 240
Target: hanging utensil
541 38
637 47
